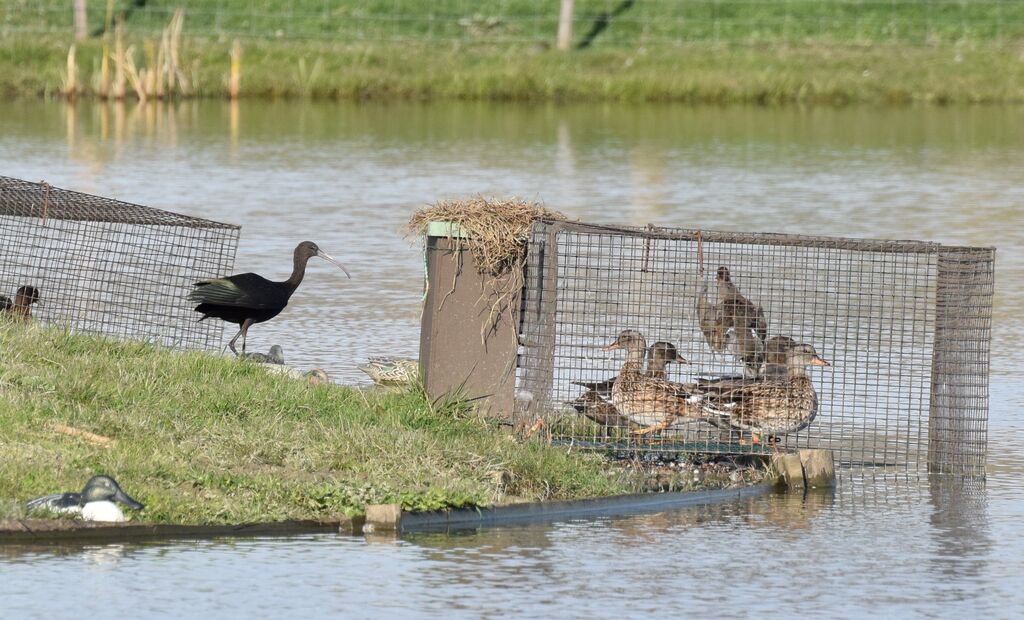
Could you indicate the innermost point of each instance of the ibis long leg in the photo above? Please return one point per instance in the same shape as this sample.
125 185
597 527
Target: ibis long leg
245 328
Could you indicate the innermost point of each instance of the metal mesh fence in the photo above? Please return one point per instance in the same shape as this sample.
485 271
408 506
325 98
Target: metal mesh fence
609 22
105 266
905 327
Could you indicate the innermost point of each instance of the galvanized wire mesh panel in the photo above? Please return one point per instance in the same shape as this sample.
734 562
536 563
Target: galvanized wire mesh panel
109 267
904 325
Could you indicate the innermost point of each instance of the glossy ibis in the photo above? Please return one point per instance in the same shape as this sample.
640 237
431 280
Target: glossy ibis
248 298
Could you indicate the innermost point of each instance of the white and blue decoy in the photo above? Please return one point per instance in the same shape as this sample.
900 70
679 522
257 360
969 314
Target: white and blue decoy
94 503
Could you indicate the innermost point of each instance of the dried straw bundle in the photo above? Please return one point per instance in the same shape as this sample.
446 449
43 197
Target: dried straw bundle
496 235
496 228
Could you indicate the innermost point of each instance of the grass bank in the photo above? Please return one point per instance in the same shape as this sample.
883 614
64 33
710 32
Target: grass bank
203 439
703 72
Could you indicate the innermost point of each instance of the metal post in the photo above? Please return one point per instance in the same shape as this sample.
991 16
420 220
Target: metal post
81 26
565 25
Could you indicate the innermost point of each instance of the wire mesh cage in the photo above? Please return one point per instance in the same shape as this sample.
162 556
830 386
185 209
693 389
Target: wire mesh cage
876 350
98 265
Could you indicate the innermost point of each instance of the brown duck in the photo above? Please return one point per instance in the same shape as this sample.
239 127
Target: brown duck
21 309
772 408
651 402
658 357
742 322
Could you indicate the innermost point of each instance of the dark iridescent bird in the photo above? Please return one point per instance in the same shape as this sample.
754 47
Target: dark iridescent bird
249 298
658 358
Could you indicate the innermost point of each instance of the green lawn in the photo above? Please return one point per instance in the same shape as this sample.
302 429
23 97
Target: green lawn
204 439
644 22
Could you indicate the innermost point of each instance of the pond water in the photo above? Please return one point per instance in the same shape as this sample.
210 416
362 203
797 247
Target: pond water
349 176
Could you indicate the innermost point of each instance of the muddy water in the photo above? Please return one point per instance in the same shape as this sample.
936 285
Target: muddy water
348 176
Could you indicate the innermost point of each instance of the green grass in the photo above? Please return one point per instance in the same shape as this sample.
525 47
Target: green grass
700 73
645 22
699 51
203 439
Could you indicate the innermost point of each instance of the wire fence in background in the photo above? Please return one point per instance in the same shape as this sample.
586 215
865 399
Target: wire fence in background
97 265
600 22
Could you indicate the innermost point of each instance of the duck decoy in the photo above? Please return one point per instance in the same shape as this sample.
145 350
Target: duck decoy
248 298
653 403
274 356
658 357
771 408
392 370
21 309
94 503
735 323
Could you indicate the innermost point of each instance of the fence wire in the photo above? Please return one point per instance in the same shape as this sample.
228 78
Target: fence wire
604 22
904 326
104 266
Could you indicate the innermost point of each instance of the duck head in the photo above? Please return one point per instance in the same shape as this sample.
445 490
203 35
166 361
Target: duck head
106 489
723 274
664 352
802 355
630 340
26 296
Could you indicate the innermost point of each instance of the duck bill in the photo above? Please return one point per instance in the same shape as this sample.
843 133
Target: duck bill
611 347
122 497
330 259
818 361
679 359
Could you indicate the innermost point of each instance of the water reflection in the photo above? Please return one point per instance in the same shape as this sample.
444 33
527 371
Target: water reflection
349 175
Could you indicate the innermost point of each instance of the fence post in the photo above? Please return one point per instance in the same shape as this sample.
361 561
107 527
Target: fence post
565 25
81 26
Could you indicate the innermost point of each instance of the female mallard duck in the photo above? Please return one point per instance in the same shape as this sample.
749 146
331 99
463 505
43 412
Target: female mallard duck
392 370
652 402
94 503
734 323
658 357
771 408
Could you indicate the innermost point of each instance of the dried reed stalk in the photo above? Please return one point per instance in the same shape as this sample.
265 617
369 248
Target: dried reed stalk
71 78
133 74
119 64
174 73
236 69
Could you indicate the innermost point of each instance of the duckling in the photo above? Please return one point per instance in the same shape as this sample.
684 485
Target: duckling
651 402
658 358
742 323
5 303
274 356
21 309
94 503
772 408
392 370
